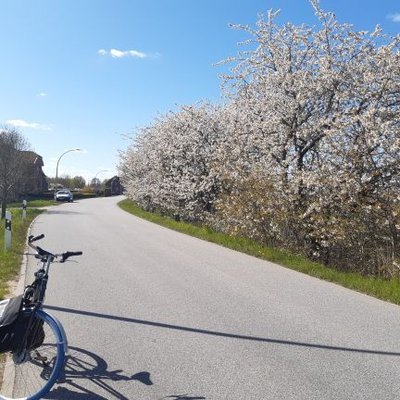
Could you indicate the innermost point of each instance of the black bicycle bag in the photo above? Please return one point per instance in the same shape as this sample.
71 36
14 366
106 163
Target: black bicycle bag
10 311
14 324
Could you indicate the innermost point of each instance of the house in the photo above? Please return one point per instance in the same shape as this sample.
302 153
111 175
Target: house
113 187
33 179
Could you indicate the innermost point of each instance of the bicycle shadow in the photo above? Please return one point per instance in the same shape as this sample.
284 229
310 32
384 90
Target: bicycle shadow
92 370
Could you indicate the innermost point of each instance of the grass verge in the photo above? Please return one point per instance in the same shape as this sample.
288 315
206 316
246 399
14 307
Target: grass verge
10 261
34 203
385 289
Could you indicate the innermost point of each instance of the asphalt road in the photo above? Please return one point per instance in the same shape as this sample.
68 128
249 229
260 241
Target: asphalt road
152 314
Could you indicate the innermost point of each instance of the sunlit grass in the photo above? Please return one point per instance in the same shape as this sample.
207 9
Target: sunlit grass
10 261
385 289
41 203
34 203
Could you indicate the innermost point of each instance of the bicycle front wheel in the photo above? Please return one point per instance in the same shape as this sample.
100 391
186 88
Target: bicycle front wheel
30 374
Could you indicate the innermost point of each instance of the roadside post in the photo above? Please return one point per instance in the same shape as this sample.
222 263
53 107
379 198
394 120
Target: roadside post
24 210
7 240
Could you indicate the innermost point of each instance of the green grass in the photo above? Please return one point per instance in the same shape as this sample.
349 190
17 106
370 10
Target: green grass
385 289
34 203
41 203
10 261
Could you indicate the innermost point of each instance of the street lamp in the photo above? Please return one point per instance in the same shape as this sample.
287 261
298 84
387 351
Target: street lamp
102 170
99 172
65 152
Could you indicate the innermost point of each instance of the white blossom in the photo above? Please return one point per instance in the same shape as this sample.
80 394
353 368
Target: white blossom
305 154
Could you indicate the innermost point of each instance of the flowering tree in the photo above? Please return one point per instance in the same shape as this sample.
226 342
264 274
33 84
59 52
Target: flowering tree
305 153
317 111
169 165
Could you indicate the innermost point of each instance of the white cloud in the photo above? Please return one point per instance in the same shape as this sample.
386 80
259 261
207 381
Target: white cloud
115 53
20 123
41 94
394 17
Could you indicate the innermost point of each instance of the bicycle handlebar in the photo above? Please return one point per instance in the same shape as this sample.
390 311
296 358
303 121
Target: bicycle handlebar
44 254
34 238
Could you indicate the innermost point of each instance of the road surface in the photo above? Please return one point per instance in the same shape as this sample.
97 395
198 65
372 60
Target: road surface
153 314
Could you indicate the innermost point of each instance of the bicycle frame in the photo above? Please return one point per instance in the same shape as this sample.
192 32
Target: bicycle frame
34 294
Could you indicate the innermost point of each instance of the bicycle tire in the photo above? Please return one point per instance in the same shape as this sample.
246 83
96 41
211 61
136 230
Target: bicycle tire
32 375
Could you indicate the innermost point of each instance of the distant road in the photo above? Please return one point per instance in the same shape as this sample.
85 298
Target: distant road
153 314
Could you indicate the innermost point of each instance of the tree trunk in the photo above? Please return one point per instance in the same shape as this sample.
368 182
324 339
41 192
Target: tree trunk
3 209
4 203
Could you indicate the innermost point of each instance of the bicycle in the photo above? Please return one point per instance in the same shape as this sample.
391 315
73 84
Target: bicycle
37 359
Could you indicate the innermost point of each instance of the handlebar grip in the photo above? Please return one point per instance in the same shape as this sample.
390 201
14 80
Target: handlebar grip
34 238
68 254
75 253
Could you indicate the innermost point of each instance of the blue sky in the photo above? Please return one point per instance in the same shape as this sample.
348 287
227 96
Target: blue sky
85 73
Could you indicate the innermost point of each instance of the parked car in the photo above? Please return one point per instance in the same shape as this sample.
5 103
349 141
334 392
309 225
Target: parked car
63 195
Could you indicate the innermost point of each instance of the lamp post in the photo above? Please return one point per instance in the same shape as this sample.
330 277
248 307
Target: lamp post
95 185
65 152
99 172
102 170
